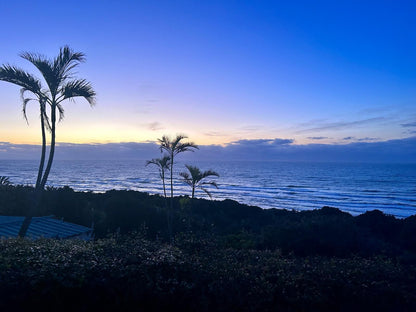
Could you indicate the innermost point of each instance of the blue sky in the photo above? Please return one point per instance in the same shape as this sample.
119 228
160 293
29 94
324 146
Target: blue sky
312 72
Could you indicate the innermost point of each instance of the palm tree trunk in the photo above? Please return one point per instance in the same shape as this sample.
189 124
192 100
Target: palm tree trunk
171 178
38 190
42 157
193 191
170 211
25 226
163 182
52 150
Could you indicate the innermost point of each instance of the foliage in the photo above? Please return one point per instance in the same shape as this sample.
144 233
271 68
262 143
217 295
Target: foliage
174 147
60 86
326 232
4 181
196 179
163 164
129 272
320 260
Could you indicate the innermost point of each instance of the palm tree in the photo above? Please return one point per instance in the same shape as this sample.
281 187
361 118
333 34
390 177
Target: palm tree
60 86
195 179
163 164
29 83
173 148
4 181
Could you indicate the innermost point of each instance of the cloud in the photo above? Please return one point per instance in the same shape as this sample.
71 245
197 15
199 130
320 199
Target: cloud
367 139
317 138
322 126
154 126
214 133
350 138
392 151
408 125
251 128
263 142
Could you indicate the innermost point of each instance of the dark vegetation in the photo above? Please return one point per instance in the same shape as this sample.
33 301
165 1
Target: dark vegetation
225 256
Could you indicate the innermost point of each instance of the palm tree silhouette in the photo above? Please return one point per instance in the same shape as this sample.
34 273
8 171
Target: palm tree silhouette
29 83
163 164
4 181
195 179
60 86
173 148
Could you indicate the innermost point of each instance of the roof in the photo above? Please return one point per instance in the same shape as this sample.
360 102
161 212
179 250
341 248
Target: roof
47 227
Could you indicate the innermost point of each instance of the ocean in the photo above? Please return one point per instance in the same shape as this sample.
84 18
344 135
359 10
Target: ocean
354 188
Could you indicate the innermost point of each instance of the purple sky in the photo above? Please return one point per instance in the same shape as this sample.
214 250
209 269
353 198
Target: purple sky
311 72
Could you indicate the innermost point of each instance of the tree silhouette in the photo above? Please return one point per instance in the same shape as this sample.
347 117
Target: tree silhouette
163 164
173 148
29 84
196 179
60 86
4 181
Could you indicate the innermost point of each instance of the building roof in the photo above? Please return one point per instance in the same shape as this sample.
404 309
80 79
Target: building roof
47 227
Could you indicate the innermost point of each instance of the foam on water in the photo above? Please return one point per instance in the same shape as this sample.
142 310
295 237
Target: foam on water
354 188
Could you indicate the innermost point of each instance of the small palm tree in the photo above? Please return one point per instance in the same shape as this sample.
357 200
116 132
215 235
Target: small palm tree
4 181
173 148
196 179
163 164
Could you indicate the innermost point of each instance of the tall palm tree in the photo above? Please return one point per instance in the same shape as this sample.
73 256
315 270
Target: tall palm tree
173 148
29 84
196 179
60 86
163 164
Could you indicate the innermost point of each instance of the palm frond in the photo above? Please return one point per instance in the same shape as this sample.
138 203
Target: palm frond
213 183
186 178
46 121
195 178
45 67
209 173
207 192
78 88
4 181
25 102
165 144
178 139
163 162
21 78
67 60
185 147
61 112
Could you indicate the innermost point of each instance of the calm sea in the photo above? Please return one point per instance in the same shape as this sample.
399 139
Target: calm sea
354 188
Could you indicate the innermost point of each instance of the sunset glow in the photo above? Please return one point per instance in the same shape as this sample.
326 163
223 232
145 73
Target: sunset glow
223 72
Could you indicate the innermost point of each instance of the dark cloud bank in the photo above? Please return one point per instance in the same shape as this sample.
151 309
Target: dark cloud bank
393 151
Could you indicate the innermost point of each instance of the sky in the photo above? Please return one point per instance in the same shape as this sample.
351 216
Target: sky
267 75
